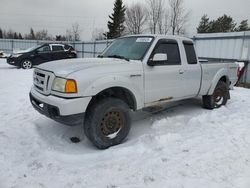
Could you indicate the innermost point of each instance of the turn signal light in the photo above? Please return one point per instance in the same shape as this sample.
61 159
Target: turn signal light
70 86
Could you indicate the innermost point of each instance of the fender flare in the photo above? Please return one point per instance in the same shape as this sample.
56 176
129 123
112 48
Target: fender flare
221 73
107 82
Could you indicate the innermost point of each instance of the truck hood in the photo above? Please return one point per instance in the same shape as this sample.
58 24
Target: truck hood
65 67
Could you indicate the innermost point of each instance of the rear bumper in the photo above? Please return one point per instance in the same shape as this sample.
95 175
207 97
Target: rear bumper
66 111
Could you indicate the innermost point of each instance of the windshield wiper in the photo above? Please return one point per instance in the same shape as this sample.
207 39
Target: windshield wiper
100 56
118 57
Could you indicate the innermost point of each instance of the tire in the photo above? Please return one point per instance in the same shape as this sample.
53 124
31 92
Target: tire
26 64
107 122
218 98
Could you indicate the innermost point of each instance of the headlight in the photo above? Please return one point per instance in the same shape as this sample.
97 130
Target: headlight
16 55
64 85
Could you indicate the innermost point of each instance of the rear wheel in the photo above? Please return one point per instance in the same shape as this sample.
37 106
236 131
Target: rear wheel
218 98
26 64
107 122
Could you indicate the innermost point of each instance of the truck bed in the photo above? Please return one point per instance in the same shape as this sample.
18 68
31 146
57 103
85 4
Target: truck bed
211 68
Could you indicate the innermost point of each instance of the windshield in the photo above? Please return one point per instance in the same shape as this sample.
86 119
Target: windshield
32 48
128 48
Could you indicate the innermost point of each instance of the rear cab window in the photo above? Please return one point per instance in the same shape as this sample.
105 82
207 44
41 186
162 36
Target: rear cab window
190 52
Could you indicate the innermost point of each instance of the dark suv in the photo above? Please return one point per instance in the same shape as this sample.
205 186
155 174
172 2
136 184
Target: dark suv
41 54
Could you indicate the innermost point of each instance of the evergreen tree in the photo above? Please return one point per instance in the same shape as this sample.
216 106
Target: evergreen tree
116 24
204 26
1 33
32 34
20 36
10 34
15 36
222 25
243 26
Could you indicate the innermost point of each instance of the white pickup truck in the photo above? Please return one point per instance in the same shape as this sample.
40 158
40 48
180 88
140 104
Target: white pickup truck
133 73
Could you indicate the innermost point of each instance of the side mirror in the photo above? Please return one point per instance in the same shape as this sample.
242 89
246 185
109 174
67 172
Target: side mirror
157 58
160 57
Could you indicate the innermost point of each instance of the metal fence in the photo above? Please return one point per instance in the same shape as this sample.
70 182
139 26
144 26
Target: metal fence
84 49
225 46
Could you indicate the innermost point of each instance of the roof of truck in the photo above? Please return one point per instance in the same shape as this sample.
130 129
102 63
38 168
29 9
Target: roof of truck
160 36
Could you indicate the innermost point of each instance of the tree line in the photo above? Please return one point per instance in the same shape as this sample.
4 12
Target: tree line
163 17
223 24
71 34
151 16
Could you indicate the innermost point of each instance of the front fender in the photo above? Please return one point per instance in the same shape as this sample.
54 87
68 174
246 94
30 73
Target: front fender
134 86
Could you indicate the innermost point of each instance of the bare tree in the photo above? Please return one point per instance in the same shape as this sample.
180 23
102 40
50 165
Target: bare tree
73 34
166 26
136 17
9 34
43 35
156 12
98 34
161 23
76 31
69 35
178 16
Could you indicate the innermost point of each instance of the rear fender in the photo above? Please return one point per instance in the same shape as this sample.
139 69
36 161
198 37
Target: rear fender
221 73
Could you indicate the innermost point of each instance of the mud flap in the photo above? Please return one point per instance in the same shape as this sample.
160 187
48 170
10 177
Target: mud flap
228 94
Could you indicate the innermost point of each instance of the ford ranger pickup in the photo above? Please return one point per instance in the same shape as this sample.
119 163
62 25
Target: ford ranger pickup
134 73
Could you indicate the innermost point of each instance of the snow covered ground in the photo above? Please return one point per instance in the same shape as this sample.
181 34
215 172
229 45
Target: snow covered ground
183 147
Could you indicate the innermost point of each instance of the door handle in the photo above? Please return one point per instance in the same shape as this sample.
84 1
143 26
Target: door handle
181 71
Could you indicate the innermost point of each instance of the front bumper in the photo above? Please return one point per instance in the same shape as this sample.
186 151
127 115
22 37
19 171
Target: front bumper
66 111
13 61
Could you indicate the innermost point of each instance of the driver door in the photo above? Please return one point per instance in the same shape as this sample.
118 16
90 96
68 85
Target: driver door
43 54
164 80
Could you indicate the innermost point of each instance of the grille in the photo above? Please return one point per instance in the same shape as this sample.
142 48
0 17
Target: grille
43 81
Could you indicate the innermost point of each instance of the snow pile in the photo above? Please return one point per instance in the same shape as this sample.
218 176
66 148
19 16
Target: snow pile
185 146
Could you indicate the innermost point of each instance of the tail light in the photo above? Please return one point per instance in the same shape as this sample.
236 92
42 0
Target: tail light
238 72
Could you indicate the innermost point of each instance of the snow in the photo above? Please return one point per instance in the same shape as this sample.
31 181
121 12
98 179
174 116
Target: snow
183 147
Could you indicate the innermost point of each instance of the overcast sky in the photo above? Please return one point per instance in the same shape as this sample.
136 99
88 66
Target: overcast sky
58 15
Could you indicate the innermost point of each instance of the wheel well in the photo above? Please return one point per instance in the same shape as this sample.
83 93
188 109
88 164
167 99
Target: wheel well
116 92
225 79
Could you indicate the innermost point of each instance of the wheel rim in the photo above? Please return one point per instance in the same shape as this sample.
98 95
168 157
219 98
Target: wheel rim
27 64
112 123
218 97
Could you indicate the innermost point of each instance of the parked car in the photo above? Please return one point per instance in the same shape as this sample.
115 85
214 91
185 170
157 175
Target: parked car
133 73
40 54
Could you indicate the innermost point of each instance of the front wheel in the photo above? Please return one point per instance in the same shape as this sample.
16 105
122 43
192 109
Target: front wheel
107 122
26 64
218 98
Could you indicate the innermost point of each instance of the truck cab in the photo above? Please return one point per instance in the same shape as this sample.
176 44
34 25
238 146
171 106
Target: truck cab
179 72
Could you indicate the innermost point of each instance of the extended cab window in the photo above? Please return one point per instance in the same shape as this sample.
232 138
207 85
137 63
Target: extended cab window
170 48
190 52
57 48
